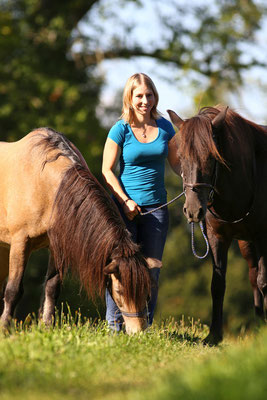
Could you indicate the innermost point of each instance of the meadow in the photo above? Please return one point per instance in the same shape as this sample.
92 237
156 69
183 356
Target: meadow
82 359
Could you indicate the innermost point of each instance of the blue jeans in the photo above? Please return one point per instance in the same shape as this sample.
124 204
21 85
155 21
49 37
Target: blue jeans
150 231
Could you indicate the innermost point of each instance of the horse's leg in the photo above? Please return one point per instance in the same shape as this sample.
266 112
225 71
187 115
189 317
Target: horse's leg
262 271
51 293
4 262
19 253
249 253
219 250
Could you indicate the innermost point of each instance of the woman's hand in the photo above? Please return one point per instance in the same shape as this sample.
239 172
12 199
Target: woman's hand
130 209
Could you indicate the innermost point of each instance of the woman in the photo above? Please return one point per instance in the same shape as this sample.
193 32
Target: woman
141 140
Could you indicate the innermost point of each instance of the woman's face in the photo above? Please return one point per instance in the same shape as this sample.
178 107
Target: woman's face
143 100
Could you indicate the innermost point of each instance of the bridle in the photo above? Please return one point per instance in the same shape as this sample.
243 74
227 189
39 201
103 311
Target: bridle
212 187
139 314
194 186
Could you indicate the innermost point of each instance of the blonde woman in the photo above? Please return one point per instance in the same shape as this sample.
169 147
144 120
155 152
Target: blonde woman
141 140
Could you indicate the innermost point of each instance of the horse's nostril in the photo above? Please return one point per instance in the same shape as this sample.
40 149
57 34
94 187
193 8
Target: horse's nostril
184 210
190 215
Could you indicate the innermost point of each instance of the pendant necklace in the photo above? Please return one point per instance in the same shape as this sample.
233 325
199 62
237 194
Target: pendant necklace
144 133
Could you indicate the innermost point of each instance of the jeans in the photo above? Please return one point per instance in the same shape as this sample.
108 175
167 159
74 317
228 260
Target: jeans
150 232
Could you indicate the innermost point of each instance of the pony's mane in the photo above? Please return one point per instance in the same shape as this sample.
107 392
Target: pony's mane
88 231
196 138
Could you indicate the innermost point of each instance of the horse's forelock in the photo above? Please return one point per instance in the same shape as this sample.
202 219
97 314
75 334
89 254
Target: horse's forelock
196 141
135 279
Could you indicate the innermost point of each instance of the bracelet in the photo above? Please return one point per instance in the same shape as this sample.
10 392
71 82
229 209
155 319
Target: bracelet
125 201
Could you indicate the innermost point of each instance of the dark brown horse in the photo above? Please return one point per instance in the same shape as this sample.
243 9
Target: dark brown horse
224 169
49 198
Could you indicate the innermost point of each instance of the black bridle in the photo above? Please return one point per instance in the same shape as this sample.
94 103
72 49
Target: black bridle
212 187
194 186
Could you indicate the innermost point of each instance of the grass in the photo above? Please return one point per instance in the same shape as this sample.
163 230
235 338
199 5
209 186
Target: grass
83 360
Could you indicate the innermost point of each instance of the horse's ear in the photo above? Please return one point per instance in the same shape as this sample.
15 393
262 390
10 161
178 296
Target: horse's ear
218 120
111 268
176 120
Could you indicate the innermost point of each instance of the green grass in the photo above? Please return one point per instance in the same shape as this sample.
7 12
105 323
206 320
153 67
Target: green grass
83 360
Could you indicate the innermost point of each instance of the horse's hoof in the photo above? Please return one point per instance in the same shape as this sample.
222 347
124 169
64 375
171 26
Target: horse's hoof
212 340
5 327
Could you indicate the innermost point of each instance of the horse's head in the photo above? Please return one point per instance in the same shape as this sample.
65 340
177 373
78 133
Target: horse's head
129 286
198 156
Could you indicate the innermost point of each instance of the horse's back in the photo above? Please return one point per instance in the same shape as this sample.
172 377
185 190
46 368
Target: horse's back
27 186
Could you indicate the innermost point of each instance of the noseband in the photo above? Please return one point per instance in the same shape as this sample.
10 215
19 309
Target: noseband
138 314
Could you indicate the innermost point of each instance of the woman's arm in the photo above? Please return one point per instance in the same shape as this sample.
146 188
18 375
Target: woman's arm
111 156
173 156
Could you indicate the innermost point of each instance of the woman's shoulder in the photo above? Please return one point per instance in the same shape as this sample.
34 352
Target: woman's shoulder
166 125
120 125
117 131
163 122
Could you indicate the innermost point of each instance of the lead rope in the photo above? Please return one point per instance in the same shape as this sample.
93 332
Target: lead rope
162 205
192 240
192 226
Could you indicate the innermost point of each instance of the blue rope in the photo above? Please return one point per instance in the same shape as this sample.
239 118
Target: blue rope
192 240
162 205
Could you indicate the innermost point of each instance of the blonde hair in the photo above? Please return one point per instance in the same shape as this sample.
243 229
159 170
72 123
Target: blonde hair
132 83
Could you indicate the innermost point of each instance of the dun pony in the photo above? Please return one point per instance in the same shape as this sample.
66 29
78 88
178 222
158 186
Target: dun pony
61 205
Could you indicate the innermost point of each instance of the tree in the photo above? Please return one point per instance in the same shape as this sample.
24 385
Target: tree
49 52
209 41
41 85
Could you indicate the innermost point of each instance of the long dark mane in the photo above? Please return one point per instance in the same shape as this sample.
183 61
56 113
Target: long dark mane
88 231
197 142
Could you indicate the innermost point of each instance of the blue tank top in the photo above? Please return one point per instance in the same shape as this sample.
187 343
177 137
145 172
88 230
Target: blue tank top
142 165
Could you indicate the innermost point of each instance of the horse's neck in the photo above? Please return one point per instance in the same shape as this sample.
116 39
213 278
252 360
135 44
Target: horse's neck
235 184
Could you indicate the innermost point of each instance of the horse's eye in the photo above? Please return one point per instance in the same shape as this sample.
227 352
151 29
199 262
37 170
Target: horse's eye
119 292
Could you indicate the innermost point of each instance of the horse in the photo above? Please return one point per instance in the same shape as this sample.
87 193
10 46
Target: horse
224 172
50 199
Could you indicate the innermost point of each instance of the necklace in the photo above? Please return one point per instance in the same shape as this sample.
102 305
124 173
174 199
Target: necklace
144 132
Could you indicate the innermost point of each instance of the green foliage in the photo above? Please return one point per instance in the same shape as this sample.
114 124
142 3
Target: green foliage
78 358
41 85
